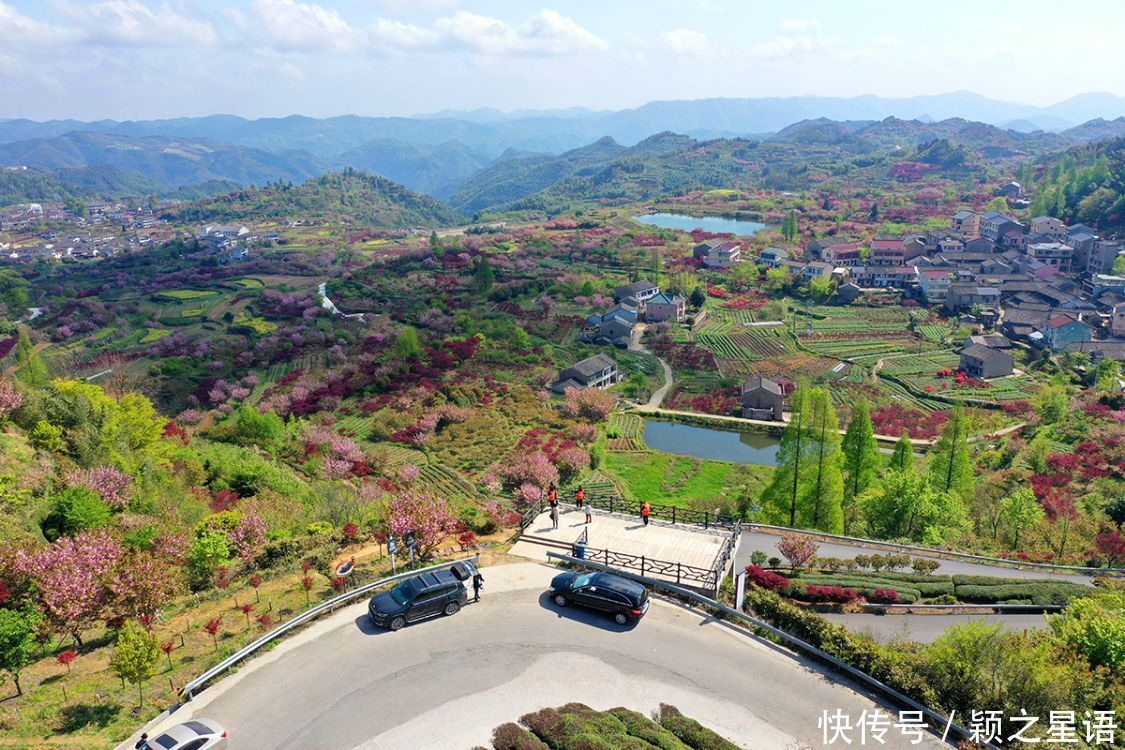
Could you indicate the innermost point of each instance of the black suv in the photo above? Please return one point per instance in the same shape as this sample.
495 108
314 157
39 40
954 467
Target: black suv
625 600
441 592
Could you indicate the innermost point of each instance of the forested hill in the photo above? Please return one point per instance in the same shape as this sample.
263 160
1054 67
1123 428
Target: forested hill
1085 184
356 196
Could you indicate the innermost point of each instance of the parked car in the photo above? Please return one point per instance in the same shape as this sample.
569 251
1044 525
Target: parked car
197 734
427 595
626 601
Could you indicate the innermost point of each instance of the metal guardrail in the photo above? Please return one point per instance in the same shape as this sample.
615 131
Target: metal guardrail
939 719
188 690
706 578
931 552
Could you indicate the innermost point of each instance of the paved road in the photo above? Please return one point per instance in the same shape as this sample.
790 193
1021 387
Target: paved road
760 540
926 628
446 683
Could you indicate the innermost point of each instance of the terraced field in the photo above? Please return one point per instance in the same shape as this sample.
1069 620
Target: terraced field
443 481
627 432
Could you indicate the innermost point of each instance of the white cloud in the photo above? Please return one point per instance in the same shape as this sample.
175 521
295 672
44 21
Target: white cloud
546 33
800 24
686 41
783 46
428 7
18 29
132 23
291 25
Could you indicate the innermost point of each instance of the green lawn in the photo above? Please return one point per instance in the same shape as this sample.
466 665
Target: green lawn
684 481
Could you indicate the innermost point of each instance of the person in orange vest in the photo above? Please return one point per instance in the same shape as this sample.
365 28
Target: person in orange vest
553 496
579 496
645 510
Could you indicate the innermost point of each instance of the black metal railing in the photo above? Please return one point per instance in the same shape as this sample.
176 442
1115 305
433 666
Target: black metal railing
684 575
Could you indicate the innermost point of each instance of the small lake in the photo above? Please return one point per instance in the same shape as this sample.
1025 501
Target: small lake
716 224
711 444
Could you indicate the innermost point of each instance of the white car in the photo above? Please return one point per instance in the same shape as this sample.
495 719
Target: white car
197 734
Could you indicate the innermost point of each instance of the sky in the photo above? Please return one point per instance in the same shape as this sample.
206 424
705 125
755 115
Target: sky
142 59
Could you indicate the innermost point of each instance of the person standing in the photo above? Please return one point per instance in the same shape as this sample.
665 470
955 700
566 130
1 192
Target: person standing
142 743
553 496
579 496
589 512
478 584
554 516
646 509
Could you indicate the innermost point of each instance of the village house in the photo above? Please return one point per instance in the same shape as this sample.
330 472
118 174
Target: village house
934 283
1098 257
842 255
773 257
887 251
983 362
960 297
598 371
816 270
719 253
638 290
1049 225
1063 331
665 306
1117 320
1054 254
763 398
994 225
966 223
882 277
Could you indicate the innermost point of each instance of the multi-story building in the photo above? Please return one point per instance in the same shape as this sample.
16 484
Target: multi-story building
1055 254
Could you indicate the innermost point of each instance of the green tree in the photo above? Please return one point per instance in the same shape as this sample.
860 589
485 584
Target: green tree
861 459
483 275
78 509
135 656
781 495
1095 627
952 467
17 641
31 370
435 243
821 288
698 297
1020 511
208 551
903 457
407 346
776 279
909 506
264 429
822 500
15 292
1107 375
789 226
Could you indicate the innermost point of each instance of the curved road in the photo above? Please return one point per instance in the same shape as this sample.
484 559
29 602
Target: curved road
444 684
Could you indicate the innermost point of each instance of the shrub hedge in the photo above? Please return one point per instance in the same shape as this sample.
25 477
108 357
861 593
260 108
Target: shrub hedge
578 727
1037 593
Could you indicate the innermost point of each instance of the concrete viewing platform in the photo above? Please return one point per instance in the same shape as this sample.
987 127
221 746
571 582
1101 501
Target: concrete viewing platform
660 540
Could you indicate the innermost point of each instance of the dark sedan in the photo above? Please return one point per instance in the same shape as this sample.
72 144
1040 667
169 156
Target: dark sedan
624 600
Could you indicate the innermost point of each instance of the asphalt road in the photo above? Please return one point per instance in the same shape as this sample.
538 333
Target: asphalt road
444 684
759 540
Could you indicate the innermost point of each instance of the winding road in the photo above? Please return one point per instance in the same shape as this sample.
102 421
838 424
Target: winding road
446 683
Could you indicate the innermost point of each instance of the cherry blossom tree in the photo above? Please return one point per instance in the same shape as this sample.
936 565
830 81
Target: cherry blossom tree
798 550
10 398
70 577
529 468
142 583
430 518
111 484
591 404
571 461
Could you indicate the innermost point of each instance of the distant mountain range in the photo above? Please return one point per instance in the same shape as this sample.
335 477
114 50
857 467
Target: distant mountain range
488 158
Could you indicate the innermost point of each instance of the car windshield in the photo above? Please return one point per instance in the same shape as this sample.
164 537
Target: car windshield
403 592
583 580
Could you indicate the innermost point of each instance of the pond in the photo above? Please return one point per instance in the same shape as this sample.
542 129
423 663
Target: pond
716 224
710 443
